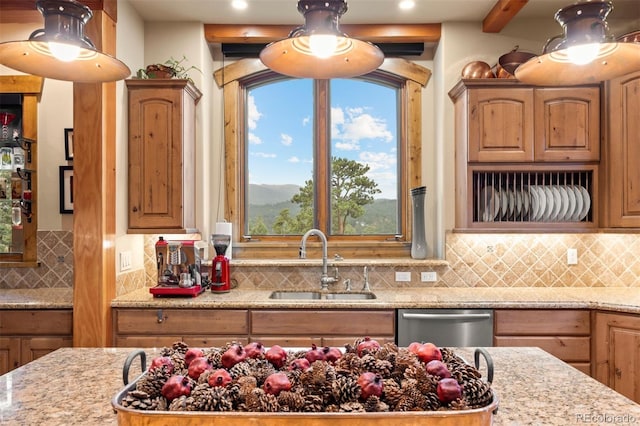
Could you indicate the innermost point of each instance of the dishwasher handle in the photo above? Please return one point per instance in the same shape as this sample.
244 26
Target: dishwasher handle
410 316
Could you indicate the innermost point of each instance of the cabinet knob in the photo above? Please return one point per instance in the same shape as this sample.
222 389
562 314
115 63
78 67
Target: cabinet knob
135 209
618 373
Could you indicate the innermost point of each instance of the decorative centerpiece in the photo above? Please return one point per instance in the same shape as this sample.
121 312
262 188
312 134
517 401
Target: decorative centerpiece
365 378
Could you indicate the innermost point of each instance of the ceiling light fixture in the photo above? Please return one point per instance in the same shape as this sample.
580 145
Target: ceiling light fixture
318 49
61 51
586 52
406 4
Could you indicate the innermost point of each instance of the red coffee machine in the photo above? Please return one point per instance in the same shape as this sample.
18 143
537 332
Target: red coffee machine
220 275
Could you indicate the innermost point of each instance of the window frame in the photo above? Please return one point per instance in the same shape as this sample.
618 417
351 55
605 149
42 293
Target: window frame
31 88
236 77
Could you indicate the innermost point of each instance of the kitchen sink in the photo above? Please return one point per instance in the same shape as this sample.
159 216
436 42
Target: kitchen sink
316 295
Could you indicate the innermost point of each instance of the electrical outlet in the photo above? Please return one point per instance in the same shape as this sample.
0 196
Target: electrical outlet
572 256
125 260
429 277
403 276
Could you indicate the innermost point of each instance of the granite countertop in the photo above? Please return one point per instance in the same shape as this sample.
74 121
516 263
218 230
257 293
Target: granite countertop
534 388
617 299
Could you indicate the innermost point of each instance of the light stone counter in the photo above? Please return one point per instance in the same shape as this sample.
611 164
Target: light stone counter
41 298
76 386
615 299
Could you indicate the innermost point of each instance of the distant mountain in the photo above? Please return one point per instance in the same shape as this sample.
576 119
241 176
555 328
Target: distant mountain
271 194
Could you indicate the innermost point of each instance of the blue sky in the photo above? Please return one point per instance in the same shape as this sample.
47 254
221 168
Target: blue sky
364 129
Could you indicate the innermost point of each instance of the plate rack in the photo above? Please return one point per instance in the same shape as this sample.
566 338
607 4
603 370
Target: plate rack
509 199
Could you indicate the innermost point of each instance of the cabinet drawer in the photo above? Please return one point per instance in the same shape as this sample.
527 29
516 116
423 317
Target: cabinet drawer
214 341
36 322
524 322
181 321
319 323
567 348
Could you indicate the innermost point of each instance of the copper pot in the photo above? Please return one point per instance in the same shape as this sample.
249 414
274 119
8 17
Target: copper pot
510 61
477 69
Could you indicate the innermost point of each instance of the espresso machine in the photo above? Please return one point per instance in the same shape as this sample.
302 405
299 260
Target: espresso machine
220 275
179 268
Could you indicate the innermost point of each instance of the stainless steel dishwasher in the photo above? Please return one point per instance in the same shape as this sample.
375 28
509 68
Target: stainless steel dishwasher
445 327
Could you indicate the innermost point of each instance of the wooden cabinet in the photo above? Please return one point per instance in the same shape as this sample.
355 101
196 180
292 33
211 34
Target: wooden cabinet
622 152
163 327
30 334
517 143
565 334
162 165
617 352
302 327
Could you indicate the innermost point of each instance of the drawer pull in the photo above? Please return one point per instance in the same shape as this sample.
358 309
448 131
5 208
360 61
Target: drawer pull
161 317
618 373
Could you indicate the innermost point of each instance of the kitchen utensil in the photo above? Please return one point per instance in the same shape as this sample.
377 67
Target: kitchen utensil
477 69
512 60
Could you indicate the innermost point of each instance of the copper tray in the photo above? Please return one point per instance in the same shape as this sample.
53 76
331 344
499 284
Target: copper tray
131 417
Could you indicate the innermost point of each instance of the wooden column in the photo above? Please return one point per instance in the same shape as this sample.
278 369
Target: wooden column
94 198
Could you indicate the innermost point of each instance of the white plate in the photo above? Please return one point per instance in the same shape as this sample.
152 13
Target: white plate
579 203
571 202
512 202
540 202
517 195
587 202
504 203
557 204
526 202
549 207
564 204
488 204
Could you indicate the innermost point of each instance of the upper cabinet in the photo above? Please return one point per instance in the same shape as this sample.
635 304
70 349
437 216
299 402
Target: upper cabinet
162 155
526 157
621 155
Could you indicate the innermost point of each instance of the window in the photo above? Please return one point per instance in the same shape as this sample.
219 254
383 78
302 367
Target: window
339 155
18 161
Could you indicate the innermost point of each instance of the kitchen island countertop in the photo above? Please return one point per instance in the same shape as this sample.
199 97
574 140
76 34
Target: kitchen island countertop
74 386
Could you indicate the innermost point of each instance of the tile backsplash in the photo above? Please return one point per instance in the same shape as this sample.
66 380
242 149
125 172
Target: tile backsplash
473 260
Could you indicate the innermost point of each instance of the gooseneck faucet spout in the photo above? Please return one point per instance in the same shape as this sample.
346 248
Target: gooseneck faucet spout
325 280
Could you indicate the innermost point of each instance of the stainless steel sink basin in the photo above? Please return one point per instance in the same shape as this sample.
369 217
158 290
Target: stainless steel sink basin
316 295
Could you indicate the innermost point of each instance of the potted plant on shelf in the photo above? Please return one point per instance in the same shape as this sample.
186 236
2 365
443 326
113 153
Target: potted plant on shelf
171 68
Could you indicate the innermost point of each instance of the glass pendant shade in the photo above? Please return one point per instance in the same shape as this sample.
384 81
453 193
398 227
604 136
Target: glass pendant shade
585 53
318 49
61 51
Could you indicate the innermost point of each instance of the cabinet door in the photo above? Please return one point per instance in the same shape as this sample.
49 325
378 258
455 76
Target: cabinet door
34 347
623 152
501 125
9 354
618 353
567 124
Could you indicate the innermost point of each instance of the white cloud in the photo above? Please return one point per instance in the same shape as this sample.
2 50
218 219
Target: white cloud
254 139
253 113
263 155
293 159
352 125
306 121
285 139
378 161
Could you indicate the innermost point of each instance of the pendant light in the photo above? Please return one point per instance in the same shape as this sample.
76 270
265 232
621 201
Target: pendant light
585 53
61 51
318 49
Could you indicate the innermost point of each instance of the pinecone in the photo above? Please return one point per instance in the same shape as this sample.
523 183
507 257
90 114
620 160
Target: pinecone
352 407
180 367
477 393
458 404
245 385
139 400
463 372
215 357
424 382
388 352
344 389
180 347
152 381
367 363
448 355
383 367
373 404
260 401
432 402
312 403
179 404
240 369
293 401
260 369
392 392
350 362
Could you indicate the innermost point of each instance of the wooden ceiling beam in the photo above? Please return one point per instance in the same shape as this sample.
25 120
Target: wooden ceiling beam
501 14
402 33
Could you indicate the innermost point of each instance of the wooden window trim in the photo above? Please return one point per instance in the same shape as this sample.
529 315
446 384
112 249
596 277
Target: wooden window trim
31 88
233 78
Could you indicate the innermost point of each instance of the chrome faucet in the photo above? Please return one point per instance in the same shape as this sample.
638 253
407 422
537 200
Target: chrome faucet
325 279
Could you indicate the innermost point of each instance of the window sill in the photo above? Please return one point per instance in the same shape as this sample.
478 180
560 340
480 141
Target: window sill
344 262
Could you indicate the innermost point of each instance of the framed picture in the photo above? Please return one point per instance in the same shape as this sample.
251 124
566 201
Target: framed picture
68 144
66 189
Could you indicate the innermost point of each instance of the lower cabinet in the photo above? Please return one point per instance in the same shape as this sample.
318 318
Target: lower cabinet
163 327
617 352
564 333
303 327
30 334
215 327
